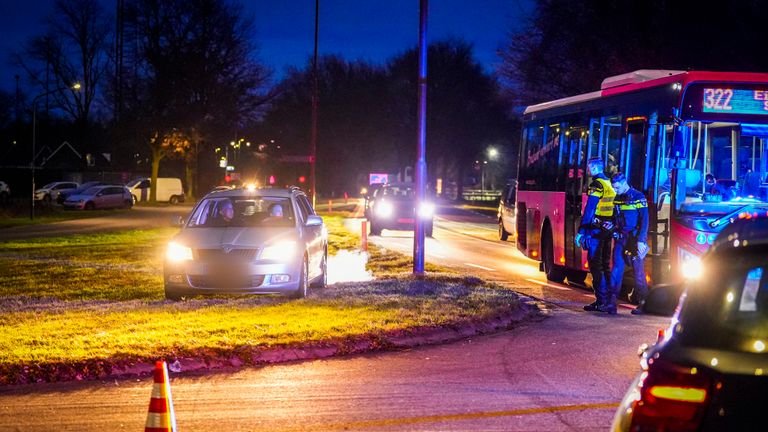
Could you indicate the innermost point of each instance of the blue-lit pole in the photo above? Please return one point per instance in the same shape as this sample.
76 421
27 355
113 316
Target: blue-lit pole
421 146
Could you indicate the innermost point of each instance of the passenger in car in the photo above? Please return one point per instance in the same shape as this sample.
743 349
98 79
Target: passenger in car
226 210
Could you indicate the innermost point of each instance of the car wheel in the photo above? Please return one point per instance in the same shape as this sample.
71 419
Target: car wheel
89 205
303 289
174 200
375 230
322 280
47 199
503 234
554 272
128 204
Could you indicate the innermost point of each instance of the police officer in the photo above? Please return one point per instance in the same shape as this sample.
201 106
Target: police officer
595 234
631 216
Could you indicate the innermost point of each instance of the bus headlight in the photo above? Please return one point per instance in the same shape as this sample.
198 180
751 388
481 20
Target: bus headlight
384 209
178 253
426 210
282 251
690 265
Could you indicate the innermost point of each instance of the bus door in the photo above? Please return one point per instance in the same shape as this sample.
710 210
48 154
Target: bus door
574 175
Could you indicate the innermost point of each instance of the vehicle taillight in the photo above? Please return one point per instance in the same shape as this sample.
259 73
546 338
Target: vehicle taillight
672 398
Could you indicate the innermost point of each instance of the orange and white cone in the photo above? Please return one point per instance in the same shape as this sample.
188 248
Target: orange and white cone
161 417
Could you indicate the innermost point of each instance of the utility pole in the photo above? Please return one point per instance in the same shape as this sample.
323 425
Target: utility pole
313 133
421 146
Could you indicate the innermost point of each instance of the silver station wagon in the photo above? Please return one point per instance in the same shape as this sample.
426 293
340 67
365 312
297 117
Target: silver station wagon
248 241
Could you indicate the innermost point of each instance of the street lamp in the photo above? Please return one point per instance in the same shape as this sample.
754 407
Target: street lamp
76 87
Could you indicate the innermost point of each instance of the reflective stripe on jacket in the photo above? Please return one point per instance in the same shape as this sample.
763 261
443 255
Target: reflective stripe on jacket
602 189
632 214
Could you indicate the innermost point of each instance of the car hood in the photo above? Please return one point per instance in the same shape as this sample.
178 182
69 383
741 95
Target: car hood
205 238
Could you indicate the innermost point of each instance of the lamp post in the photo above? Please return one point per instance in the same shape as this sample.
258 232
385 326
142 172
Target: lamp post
76 87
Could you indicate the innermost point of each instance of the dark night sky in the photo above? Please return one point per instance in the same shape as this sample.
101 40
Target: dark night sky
370 30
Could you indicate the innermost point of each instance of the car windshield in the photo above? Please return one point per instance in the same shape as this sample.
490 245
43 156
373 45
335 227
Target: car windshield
134 183
49 185
400 192
728 309
243 211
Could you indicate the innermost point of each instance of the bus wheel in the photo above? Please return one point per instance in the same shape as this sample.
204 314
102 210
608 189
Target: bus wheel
577 277
503 234
554 272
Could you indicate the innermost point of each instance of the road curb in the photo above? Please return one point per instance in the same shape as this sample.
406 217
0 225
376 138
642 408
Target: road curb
529 310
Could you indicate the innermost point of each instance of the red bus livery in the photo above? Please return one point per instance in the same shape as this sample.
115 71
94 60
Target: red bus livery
695 143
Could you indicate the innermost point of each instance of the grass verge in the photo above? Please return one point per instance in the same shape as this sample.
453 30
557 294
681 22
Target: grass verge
78 307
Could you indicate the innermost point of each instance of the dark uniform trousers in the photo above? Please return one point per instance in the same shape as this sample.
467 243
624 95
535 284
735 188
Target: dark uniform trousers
631 215
599 259
621 260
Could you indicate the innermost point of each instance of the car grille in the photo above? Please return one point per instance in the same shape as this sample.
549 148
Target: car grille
218 254
226 281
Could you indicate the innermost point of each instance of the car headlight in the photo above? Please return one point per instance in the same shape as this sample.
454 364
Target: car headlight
384 209
178 253
690 265
426 210
283 251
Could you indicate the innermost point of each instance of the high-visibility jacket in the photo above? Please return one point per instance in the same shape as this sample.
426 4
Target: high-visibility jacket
600 196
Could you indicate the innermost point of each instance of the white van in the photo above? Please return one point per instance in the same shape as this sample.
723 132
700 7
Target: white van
168 189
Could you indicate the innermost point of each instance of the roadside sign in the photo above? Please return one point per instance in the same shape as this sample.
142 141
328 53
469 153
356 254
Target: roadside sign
297 159
378 178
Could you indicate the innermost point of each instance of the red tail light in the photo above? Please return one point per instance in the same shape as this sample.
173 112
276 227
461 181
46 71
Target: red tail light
672 398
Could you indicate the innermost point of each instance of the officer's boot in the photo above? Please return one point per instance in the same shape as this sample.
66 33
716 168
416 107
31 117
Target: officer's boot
609 306
640 309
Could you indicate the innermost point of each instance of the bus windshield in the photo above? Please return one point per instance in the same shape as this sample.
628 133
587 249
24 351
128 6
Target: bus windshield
725 168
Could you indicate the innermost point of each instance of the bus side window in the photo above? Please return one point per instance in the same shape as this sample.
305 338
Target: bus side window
610 138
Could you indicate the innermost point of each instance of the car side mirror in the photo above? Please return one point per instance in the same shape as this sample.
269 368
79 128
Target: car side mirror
177 221
314 220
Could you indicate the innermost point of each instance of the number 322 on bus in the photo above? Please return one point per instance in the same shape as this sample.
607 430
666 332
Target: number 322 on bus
720 99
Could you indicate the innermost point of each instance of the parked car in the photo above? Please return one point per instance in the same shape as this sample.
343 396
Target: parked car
370 193
248 241
50 192
393 206
507 214
5 193
63 195
100 197
709 371
168 189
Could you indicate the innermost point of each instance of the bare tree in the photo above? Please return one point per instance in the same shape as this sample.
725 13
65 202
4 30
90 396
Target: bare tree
198 71
72 50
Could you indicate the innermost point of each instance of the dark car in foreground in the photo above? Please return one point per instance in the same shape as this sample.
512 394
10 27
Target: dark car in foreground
709 371
393 206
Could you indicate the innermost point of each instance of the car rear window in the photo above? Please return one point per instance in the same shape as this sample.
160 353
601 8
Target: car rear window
728 307
245 211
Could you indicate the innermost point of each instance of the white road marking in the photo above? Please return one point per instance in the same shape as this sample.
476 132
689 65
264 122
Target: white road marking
436 255
548 285
479 266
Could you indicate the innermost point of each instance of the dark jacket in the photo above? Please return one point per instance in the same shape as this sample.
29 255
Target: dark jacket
631 213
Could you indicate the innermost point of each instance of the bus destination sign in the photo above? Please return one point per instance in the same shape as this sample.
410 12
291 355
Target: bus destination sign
735 101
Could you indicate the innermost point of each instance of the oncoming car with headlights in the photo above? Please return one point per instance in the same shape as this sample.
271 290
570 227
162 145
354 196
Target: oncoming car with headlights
248 241
393 206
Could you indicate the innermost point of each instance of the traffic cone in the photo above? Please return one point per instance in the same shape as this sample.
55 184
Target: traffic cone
161 417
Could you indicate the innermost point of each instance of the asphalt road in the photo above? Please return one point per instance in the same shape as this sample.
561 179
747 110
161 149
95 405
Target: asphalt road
566 372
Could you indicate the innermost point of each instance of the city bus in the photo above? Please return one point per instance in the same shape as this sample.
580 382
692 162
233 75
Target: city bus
695 143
